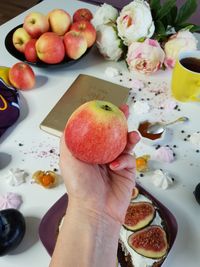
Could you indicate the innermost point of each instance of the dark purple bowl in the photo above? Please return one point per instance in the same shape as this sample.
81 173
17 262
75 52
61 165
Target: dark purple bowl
48 229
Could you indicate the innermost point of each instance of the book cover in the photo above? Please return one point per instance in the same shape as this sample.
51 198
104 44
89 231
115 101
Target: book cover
83 89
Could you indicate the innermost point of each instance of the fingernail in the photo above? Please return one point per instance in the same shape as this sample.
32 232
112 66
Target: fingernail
115 164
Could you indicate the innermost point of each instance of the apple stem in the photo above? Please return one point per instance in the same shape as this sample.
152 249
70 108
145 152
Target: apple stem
106 107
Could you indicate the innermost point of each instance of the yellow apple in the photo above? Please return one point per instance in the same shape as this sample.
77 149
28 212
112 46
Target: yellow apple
20 38
59 21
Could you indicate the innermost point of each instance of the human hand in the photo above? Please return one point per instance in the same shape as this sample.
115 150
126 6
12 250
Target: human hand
103 188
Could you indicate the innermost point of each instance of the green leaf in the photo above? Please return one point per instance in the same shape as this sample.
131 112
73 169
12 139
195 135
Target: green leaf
173 14
155 4
186 11
160 28
165 9
141 40
195 28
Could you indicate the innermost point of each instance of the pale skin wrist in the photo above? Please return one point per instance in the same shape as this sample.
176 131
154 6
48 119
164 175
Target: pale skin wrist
96 238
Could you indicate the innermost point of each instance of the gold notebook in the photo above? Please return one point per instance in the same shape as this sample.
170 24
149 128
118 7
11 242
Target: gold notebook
83 89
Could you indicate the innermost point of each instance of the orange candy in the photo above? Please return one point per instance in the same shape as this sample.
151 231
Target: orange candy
142 163
47 179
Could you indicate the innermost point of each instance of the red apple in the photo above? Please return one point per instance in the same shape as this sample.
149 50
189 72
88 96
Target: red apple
59 21
87 29
21 76
96 132
36 23
75 44
50 48
82 14
30 51
20 38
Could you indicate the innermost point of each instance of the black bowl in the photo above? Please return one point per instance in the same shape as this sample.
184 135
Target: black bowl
20 56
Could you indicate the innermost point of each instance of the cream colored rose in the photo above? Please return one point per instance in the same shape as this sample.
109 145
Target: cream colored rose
135 22
181 41
146 57
108 42
104 14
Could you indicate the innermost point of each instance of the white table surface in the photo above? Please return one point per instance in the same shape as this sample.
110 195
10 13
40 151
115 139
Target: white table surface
34 154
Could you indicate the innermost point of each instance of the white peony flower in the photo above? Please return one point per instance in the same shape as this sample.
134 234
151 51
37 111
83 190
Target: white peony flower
104 14
108 42
135 22
181 41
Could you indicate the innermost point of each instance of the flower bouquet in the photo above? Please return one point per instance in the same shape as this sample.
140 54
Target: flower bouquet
148 35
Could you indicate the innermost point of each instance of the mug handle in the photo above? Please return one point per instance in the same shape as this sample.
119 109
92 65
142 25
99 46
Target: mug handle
196 97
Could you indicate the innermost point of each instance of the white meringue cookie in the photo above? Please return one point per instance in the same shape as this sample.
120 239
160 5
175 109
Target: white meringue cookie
10 201
111 72
140 107
161 179
164 154
16 177
195 139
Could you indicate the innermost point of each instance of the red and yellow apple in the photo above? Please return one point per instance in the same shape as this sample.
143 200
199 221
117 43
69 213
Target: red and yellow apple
82 14
86 29
30 51
50 48
21 76
36 23
59 21
20 38
75 44
96 132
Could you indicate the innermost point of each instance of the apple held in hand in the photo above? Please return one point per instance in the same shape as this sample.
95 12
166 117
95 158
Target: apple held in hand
50 48
21 76
86 29
59 21
75 44
36 23
82 14
30 51
96 132
20 38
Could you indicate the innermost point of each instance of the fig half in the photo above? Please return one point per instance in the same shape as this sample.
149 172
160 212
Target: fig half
150 242
135 193
139 215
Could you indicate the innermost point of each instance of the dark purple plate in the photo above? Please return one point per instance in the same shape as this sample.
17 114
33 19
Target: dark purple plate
20 56
48 229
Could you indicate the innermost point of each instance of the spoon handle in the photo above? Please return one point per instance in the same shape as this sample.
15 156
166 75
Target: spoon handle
181 119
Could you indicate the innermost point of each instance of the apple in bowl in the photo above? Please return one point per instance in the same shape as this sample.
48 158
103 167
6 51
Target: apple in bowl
86 29
75 44
30 52
82 14
20 38
50 48
36 23
59 21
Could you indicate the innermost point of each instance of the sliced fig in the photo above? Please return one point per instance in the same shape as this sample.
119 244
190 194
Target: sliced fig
135 193
150 242
139 215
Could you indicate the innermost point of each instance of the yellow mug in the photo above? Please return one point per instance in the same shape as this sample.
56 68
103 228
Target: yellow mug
185 83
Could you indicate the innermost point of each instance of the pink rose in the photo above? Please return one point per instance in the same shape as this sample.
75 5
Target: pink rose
181 41
146 57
